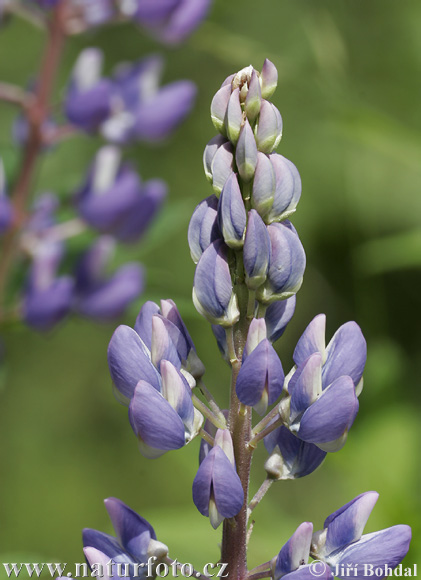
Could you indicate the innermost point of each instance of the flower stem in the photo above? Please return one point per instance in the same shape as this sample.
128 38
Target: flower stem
208 438
200 406
259 436
210 399
260 494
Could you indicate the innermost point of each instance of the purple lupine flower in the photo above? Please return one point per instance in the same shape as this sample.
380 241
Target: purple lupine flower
213 294
169 21
88 98
6 210
263 191
47 298
345 354
318 415
131 352
140 109
261 377
256 253
287 188
286 266
134 543
289 456
232 217
277 317
217 489
246 153
164 420
218 162
210 428
104 297
291 561
203 227
342 544
114 201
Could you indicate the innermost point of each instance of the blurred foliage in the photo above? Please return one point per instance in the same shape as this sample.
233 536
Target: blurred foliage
349 95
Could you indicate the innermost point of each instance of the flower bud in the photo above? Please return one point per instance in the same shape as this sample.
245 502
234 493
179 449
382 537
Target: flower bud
253 98
234 117
219 108
213 294
268 79
268 130
209 153
203 227
294 555
255 335
286 266
278 316
256 254
246 153
222 167
287 188
232 213
263 186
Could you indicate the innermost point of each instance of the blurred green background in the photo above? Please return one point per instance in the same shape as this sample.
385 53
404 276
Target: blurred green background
349 93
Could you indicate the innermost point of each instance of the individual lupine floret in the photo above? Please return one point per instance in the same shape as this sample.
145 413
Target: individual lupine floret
6 210
341 543
292 560
289 456
213 294
287 188
232 217
256 252
286 266
113 199
134 543
104 297
217 489
317 414
345 354
171 22
261 377
140 108
218 162
246 155
164 420
47 298
131 351
203 227
88 99
264 182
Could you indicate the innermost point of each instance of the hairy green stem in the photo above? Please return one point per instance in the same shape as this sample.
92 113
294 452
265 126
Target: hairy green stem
260 494
200 406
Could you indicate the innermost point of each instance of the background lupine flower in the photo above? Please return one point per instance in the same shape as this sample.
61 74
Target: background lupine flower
104 297
140 108
131 352
319 415
291 561
48 297
213 291
134 543
341 543
171 22
289 456
113 199
88 99
217 489
6 211
345 354
164 420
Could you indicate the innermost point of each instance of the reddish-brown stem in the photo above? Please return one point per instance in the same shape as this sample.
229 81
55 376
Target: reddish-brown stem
234 539
36 114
